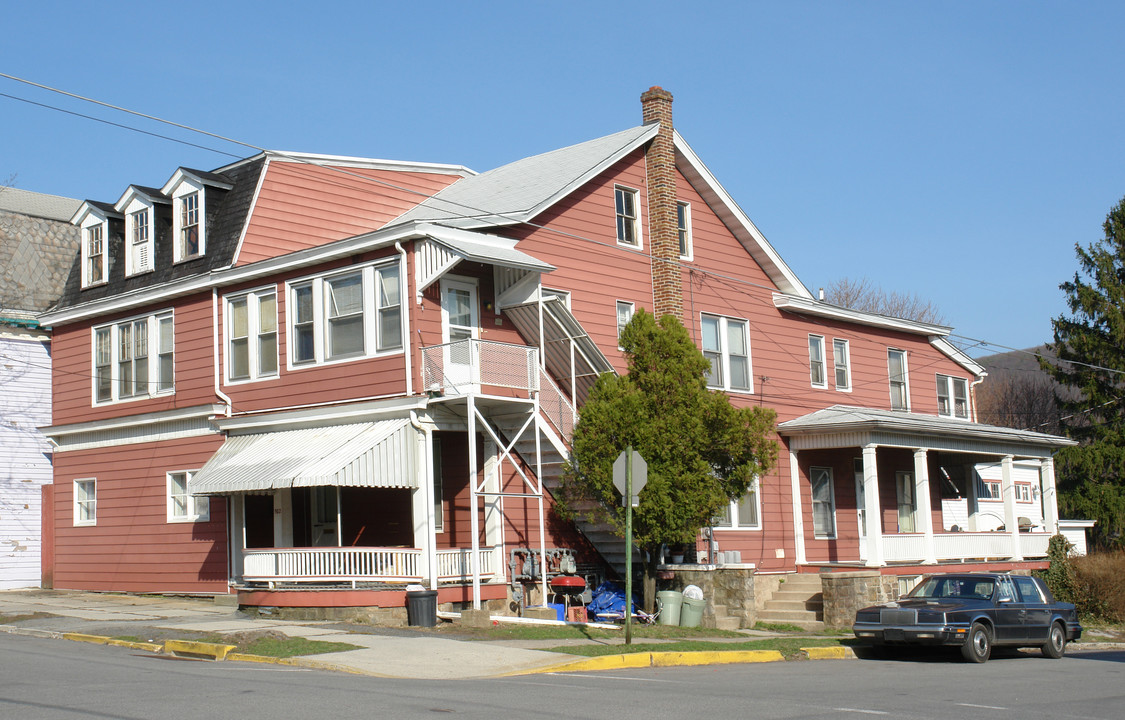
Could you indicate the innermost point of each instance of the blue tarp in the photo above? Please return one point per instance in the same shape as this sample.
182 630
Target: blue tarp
609 601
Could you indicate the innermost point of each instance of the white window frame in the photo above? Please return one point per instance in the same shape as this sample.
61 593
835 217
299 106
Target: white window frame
683 229
732 519
1023 492
259 356
816 346
622 220
990 490
841 364
139 248
184 190
378 314
629 308
159 360
179 503
830 502
723 355
99 228
947 386
85 502
904 383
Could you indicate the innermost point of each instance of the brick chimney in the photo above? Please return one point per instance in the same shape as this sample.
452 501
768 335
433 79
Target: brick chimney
664 239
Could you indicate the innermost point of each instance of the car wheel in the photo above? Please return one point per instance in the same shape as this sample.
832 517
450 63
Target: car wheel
978 646
1056 642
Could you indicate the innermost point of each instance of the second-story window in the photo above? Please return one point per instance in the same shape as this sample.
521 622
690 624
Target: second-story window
726 346
953 396
840 362
347 315
816 361
624 315
628 229
134 359
95 265
896 371
252 335
683 229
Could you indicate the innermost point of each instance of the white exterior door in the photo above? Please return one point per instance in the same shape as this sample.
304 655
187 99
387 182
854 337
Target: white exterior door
861 507
459 323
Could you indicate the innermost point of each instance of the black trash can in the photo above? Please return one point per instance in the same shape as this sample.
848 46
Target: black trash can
421 608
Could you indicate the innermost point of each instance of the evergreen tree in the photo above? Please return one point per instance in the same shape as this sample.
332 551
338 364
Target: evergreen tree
1090 345
701 451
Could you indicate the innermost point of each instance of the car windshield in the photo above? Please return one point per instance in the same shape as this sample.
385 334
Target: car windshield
954 587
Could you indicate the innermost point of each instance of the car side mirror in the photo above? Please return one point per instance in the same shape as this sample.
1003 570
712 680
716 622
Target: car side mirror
1004 599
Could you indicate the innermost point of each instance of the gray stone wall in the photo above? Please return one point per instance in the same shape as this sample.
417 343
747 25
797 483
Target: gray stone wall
846 592
729 591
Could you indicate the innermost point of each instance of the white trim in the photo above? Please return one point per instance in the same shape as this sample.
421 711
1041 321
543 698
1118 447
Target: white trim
831 501
823 384
93 511
617 317
638 231
809 306
192 503
253 298
734 508
350 161
725 353
136 206
905 379
847 365
689 240
251 210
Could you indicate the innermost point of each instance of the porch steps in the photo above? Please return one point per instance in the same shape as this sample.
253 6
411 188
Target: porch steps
722 620
799 601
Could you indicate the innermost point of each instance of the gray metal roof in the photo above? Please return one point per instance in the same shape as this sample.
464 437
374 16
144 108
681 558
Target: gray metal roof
52 207
847 419
484 248
374 454
518 191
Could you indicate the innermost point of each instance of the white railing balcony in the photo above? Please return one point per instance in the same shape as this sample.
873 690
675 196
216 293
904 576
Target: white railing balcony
963 546
356 564
462 366
556 406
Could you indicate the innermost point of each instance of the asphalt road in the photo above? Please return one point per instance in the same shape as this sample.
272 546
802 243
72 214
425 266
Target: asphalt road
43 679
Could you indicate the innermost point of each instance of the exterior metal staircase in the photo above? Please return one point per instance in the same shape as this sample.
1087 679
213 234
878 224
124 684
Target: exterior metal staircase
798 601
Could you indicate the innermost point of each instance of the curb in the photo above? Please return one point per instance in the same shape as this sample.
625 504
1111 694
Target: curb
838 652
660 659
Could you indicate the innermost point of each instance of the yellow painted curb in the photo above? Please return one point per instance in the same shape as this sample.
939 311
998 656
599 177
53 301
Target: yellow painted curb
82 637
828 653
246 657
150 647
663 659
193 648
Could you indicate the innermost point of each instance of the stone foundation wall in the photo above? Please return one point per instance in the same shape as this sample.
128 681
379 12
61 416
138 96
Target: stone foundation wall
732 588
846 592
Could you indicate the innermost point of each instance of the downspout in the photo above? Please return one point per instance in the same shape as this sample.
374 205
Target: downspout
403 321
215 348
973 395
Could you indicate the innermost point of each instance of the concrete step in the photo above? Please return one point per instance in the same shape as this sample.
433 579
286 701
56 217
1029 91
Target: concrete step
726 622
786 616
795 605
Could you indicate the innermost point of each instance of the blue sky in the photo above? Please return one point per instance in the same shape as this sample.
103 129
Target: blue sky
956 150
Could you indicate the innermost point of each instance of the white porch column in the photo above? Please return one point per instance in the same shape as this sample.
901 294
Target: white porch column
422 502
1008 490
474 521
871 508
798 515
1049 495
972 498
493 509
925 517
237 525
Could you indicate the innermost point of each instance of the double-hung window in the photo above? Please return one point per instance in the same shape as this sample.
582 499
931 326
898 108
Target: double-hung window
182 506
989 490
823 502
134 358
896 371
252 335
683 229
95 265
624 315
347 315
1023 492
816 362
139 232
86 502
953 396
628 225
744 513
726 345
188 243
840 362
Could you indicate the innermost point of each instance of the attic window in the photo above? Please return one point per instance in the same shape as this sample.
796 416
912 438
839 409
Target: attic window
190 240
140 242
93 251
628 227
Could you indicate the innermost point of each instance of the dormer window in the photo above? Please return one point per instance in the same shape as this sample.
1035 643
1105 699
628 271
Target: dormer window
139 231
190 241
93 250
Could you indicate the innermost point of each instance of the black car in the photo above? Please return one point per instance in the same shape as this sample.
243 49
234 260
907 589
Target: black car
974 611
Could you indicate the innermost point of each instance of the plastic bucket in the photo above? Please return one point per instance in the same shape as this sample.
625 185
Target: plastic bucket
421 608
669 602
691 612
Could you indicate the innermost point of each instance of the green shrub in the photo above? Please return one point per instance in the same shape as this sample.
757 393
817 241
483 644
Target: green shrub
1100 585
1059 575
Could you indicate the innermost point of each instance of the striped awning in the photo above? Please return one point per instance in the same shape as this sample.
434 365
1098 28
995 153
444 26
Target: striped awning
375 454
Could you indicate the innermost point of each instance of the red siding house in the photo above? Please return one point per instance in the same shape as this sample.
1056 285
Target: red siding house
313 380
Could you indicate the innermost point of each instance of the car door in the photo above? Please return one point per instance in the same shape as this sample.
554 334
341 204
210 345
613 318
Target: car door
1037 612
1009 613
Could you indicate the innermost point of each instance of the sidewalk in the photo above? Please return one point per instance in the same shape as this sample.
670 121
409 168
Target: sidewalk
385 652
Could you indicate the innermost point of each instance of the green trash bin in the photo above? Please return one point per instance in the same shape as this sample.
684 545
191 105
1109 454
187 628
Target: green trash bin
669 602
691 612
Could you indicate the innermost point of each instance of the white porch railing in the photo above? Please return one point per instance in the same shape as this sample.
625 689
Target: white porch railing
963 546
455 366
556 406
356 564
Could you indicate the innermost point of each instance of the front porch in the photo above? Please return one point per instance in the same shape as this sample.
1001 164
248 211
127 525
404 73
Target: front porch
360 566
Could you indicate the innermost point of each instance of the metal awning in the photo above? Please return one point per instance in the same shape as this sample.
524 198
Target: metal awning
374 454
569 353
444 247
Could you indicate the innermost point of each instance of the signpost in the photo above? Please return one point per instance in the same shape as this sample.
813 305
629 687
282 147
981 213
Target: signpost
630 473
